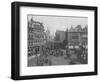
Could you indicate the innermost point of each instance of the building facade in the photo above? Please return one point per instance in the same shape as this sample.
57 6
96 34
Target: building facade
77 37
59 36
36 37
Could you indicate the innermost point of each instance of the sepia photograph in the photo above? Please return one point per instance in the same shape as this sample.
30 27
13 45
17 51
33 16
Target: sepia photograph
57 40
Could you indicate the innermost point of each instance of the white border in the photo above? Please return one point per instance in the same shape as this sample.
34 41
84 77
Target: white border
24 70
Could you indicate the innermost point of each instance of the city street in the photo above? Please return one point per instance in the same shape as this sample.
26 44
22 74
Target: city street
47 47
32 61
59 61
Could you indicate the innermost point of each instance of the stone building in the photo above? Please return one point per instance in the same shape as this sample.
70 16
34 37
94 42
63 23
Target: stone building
77 36
36 37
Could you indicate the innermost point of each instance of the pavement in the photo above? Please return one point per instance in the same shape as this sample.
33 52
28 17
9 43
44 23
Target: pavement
54 60
32 61
60 61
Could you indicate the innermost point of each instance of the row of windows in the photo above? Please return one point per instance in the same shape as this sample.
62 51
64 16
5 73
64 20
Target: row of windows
36 35
32 30
34 42
38 41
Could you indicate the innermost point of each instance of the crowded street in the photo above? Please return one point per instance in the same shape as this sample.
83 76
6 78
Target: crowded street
64 47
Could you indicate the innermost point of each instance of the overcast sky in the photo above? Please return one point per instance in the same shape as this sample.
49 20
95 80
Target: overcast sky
54 23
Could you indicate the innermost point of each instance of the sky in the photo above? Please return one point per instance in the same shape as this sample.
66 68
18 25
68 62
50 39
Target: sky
54 23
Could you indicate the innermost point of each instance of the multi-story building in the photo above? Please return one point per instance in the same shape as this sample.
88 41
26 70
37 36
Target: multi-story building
77 36
59 36
36 37
77 41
